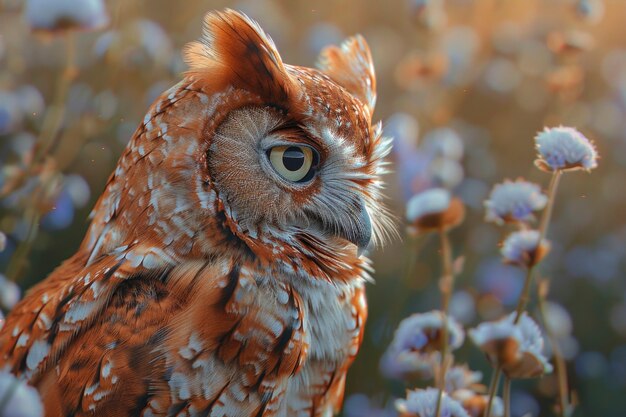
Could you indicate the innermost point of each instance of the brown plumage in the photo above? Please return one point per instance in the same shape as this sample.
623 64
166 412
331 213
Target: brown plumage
221 274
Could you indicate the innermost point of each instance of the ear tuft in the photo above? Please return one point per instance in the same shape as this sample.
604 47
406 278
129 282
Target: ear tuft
351 67
235 50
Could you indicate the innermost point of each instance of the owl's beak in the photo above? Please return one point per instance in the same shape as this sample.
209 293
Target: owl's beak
359 230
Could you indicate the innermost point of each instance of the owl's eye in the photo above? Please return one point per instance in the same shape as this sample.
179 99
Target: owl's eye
294 163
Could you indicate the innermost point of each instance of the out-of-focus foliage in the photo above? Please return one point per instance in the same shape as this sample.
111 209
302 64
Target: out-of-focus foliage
463 86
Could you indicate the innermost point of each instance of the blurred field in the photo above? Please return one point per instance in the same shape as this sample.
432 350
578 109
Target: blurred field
494 71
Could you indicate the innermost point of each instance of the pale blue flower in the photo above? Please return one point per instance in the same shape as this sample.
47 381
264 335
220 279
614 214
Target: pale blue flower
423 403
514 201
564 148
415 344
523 248
433 201
517 348
57 15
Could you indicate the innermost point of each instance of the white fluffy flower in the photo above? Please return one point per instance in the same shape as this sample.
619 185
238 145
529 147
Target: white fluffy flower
461 377
415 341
423 403
418 331
24 400
514 201
523 248
563 148
476 404
54 15
517 348
444 142
433 201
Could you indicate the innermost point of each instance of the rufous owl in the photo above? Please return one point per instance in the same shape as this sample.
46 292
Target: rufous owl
221 274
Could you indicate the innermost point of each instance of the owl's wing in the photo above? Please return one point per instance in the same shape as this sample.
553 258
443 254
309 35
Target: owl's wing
192 338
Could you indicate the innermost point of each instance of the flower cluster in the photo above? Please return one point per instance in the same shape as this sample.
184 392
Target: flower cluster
513 345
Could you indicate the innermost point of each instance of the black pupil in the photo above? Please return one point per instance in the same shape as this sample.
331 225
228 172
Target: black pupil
293 158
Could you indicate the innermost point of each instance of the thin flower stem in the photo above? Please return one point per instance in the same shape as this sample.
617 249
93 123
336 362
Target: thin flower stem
51 126
56 112
446 285
506 397
543 231
493 389
559 360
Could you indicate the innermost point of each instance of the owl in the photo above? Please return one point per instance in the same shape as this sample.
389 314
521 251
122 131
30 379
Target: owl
221 274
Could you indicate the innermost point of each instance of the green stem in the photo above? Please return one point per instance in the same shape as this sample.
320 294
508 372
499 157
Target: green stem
559 360
543 231
506 397
493 388
51 126
446 286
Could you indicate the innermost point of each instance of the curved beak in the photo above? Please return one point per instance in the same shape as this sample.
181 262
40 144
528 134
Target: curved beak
358 229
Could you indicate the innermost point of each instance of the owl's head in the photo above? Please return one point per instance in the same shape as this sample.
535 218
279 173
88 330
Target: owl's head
283 160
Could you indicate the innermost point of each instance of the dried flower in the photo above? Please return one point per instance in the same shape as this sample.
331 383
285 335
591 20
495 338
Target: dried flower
514 201
564 148
476 404
416 343
24 400
461 377
522 248
517 348
435 209
62 15
423 403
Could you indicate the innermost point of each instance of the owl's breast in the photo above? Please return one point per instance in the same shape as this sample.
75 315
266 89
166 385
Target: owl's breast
334 320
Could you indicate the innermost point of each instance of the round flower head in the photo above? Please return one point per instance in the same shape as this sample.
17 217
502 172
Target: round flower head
444 142
476 404
423 403
415 342
60 15
522 248
461 377
514 201
23 400
564 148
517 348
434 209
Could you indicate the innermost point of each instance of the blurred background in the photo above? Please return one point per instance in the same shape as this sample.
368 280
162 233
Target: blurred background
463 86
